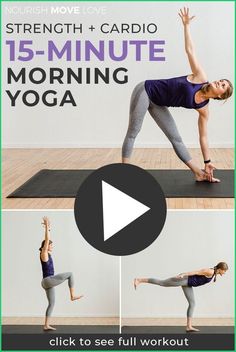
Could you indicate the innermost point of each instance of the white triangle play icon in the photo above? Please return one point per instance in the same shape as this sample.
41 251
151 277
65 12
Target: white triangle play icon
119 210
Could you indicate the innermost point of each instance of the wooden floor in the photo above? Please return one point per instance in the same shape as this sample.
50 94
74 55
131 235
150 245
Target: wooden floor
61 320
20 164
115 321
177 321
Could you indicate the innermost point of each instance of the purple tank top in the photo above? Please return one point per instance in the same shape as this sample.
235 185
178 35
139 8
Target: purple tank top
174 92
198 280
47 267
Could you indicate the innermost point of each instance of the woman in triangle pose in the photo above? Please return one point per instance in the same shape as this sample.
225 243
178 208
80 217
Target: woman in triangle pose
192 91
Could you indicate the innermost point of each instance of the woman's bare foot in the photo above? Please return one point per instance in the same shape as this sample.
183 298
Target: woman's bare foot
203 177
75 298
48 328
191 329
125 160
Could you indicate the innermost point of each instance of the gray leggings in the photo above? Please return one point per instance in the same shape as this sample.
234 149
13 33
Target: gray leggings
48 283
175 282
139 105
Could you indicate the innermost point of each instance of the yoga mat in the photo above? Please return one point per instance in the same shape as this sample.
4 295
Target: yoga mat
175 184
61 329
176 330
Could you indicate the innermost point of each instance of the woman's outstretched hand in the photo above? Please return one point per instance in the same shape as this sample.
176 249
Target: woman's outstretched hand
209 169
46 222
185 16
180 276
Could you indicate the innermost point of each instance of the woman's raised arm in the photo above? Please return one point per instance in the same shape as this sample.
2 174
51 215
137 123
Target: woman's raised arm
197 71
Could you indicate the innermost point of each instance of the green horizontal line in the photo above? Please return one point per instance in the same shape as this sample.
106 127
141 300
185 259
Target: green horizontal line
13 1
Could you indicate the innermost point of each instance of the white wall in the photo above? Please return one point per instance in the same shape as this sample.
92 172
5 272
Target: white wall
96 274
101 117
190 240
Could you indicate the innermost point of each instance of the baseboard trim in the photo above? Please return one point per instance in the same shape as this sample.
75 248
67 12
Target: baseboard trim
107 146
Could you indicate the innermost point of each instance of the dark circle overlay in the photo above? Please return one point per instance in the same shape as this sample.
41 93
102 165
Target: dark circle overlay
136 183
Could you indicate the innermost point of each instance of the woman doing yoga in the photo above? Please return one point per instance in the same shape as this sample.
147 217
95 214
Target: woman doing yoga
50 280
191 91
187 281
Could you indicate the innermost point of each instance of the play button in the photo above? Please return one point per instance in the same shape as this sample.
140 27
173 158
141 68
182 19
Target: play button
116 202
120 209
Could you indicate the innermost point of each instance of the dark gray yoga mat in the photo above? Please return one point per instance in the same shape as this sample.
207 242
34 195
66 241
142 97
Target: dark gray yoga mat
176 330
61 329
175 184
